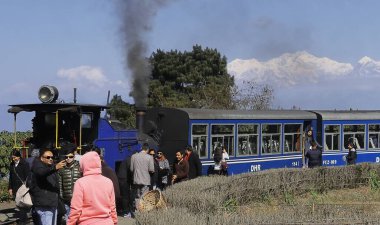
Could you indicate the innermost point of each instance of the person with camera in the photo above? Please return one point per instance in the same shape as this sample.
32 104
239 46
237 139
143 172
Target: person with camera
45 187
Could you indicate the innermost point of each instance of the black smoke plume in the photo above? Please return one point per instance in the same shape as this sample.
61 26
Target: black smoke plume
137 16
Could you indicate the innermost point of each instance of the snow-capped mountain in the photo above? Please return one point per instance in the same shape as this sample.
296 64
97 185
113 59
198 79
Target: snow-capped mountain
288 69
367 67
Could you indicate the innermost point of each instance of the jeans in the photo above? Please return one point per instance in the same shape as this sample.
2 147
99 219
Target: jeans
67 207
46 215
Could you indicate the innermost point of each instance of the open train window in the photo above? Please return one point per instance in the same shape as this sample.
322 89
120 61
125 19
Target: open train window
332 138
223 135
374 136
354 134
271 138
199 137
292 135
248 139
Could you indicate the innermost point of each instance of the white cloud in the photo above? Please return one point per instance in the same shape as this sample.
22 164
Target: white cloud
92 76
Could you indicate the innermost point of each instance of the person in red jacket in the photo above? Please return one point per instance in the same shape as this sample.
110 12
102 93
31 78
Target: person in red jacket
93 200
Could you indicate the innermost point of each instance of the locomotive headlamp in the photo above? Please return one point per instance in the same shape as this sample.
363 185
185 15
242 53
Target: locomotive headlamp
48 94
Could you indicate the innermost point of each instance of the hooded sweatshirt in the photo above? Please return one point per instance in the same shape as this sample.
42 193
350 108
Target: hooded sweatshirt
93 200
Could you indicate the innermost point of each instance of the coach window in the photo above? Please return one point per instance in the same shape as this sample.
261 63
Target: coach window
354 134
332 137
199 139
248 139
223 135
374 136
271 138
292 134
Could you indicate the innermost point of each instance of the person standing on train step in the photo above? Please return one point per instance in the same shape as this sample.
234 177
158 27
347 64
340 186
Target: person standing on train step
142 165
307 143
19 173
93 200
351 156
195 165
314 156
45 187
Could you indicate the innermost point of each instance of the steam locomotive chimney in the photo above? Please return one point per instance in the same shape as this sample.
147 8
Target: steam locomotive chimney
140 114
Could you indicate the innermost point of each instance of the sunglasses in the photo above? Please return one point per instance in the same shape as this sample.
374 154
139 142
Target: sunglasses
159 153
48 157
69 157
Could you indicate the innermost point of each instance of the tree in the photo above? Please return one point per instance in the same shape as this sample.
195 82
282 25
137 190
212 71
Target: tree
122 111
196 79
251 96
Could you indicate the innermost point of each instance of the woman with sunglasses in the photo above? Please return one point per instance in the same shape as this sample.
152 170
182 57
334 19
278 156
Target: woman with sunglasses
67 178
163 171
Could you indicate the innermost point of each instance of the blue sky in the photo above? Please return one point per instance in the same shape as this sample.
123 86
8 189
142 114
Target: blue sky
78 44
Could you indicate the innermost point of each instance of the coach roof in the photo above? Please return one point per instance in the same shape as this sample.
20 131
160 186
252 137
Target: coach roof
248 114
349 114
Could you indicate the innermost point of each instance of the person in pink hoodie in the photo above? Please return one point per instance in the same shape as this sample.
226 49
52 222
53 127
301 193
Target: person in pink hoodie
93 200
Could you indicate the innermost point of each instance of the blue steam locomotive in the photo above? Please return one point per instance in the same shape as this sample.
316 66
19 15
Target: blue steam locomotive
254 140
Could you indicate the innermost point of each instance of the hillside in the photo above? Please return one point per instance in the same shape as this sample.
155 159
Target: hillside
334 195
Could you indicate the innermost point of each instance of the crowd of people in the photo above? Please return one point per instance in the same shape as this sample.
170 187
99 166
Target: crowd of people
83 189
68 188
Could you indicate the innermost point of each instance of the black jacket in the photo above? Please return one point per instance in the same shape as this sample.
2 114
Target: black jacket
22 171
351 157
124 173
109 173
195 165
154 176
45 185
315 158
68 175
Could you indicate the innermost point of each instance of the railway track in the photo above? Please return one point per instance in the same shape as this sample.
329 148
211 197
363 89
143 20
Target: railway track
11 215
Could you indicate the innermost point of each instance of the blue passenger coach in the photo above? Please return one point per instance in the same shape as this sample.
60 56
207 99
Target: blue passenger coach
255 140
337 128
259 140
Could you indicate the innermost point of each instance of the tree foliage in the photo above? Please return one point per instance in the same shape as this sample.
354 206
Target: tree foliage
196 79
7 143
122 111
